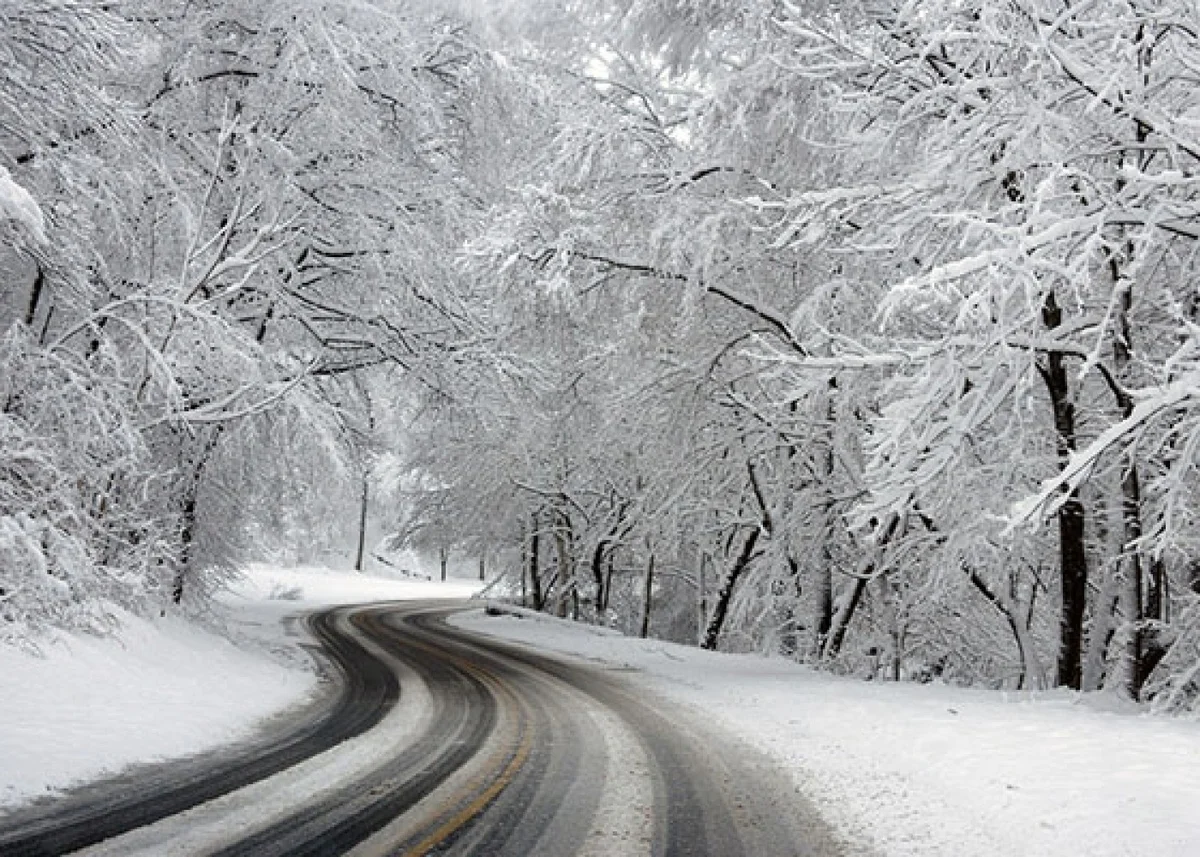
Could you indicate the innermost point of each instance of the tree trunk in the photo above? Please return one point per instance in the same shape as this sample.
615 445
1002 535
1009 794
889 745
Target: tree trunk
823 604
187 534
841 620
188 514
716 622
563 550
535 580
1095 666
362 523
599 578
608 576
1124 675
647 593
35 295
1031 668
443 557
1072 554
822 619
524 567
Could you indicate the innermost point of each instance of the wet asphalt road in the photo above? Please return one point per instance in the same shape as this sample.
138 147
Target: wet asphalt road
438 741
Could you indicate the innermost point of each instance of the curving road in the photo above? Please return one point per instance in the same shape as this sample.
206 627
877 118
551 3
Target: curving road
444 742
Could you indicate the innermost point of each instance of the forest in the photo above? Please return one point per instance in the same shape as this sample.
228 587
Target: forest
860 332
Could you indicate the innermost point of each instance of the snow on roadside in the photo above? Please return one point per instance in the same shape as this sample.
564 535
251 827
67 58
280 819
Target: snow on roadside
90 706
313 587
93 705
930 770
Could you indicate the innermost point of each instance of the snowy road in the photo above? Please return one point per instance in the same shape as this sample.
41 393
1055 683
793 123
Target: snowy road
450 742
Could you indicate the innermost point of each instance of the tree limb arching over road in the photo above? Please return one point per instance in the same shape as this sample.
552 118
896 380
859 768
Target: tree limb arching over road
442 741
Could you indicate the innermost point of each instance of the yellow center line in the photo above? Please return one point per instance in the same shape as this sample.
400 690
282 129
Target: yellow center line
461 818
468 812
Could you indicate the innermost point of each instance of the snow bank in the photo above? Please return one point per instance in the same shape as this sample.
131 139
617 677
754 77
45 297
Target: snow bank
90 706
93 705
929 770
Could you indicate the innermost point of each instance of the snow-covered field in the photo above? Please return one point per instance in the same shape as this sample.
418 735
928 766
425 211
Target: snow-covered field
91 706
899 770
929 770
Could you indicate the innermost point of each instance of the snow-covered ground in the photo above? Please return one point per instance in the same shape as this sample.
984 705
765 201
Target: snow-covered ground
898 770
928 770
89 706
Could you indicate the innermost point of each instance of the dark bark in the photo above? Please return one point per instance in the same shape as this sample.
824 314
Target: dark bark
187 533
1156 594
188 513
524 568
837 633
35 296
725 595
647 594
1073 571
841 621
535 580
608 576
823 585
716 622
599 576
362 523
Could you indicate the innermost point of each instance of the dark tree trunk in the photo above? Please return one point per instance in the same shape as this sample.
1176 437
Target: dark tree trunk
823 585
1073 560
187 535
524 568
35 296
716 622
535 580
647 593
599 577
1073 571
841 622
1156 600
364 462
188 513
364 499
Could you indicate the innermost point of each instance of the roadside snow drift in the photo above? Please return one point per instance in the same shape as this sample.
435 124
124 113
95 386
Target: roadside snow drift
91 705
927 771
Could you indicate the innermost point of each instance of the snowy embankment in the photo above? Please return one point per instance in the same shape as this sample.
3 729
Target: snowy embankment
927 770
90 706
